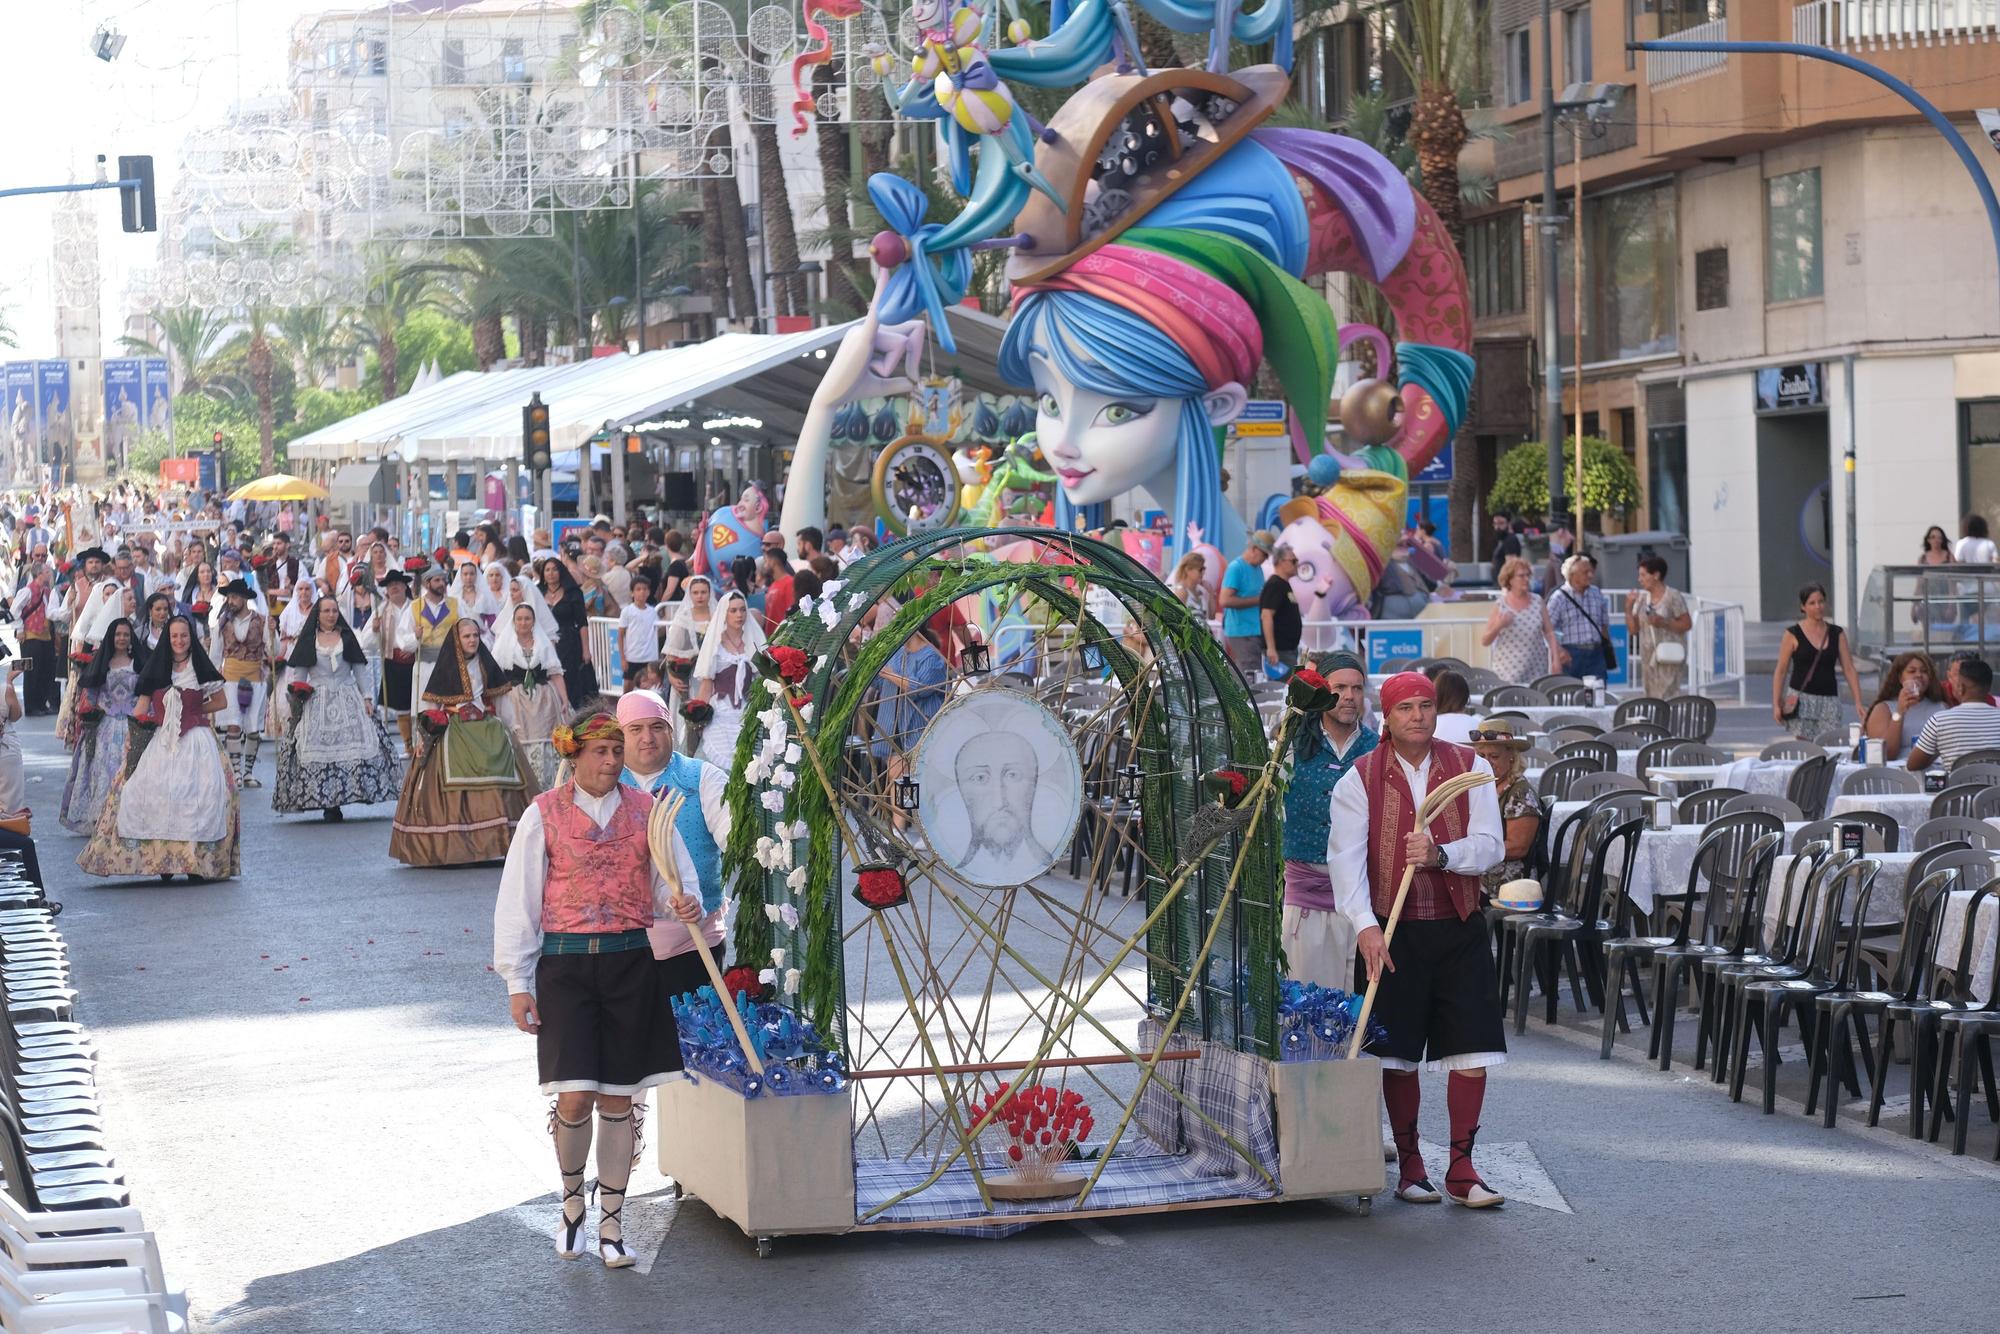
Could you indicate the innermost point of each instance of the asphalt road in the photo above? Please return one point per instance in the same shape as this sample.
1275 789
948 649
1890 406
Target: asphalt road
311 1081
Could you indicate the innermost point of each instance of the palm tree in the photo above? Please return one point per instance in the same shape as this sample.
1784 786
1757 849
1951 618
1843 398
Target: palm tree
849 285
1439 50
190 337
781 240
257 318
397 286
313 338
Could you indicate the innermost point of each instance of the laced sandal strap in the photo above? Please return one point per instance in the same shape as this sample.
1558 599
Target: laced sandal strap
1466 1150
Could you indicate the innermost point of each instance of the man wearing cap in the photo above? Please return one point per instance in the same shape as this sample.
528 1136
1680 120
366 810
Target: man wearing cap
1437 1003
429 625
653 766
240 635
1318 938
1242 593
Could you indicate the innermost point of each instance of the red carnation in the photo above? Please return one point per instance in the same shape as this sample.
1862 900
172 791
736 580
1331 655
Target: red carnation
878 885
1232 780
743 980
1311 679
200 609
697 711
791 663
300 689
81 657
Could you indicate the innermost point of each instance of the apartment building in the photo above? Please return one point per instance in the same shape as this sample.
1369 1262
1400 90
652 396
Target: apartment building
1781 262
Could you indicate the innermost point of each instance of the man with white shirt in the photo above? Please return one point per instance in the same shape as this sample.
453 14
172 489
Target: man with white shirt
652 765
578 896
1437 1002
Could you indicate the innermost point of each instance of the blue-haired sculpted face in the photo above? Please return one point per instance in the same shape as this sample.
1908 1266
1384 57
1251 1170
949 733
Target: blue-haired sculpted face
1119 406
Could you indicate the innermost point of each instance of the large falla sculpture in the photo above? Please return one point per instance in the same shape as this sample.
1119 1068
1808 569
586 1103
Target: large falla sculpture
1160 242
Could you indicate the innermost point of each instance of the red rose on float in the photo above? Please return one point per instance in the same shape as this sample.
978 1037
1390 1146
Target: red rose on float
792 664
878 885
743 980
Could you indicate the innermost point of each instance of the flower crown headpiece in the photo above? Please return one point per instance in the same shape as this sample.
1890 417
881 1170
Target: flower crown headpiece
568 741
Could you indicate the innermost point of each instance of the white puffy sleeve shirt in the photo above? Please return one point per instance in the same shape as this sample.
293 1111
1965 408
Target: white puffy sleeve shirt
1351 828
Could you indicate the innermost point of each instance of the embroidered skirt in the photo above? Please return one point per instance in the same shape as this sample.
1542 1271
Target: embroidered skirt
440 822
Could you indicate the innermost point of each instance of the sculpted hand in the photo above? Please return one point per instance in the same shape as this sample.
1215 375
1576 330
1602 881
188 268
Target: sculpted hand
866 363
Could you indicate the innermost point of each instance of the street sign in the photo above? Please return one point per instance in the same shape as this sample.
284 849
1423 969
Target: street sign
1261 417
1437 471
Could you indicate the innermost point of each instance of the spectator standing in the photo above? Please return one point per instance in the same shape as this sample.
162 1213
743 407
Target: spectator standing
1805 686
1242 599
1582 619
1506 545
1936 606
1190 588
1658 621
1963 728
777 573
674 577
1975 543
1455 722
1551 574
1278 613
1519 633
639 638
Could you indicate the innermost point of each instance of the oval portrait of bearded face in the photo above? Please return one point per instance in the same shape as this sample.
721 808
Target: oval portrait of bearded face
1000 787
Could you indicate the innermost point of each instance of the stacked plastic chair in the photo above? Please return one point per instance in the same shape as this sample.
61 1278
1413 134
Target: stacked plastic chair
75 1256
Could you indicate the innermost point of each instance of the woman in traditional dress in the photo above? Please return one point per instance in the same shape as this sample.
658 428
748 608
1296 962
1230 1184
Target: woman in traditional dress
723 676
537 704
572 636
108 689
335 753
173 812
685 632
468 588
465 793
494 602
153 624
100 607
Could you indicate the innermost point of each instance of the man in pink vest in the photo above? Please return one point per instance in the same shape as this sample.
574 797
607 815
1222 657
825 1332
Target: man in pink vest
577 897
1437 1001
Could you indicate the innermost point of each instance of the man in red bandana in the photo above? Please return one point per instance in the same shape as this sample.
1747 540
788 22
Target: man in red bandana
1437 1001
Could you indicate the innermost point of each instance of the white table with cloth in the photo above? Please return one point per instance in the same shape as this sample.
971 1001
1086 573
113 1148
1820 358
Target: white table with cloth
1538 715
1907 809
1890 900
1660 867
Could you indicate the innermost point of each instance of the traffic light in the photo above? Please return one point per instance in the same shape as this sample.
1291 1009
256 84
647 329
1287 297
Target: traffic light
535 434
135 201
218 440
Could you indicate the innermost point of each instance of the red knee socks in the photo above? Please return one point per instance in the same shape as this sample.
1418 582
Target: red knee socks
1402 1096
1464 1095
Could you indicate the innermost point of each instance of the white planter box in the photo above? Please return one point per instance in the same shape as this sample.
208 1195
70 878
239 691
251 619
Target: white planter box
771 1165
1329 1127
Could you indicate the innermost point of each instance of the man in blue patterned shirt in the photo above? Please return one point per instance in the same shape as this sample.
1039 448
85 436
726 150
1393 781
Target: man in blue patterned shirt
1318 940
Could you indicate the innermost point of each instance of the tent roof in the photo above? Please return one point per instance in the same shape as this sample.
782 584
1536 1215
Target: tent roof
475 417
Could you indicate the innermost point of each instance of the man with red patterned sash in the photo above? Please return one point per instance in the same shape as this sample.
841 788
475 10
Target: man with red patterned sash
1437 1001
569 939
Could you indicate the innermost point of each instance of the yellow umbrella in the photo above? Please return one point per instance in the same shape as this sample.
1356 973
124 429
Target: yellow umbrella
279 486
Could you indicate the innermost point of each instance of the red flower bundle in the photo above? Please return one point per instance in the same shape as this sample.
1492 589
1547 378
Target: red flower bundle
300 690
1308 691
80 658
90 713
697 711
434 721
878 885
783 663
200 609
1043 1124
743 980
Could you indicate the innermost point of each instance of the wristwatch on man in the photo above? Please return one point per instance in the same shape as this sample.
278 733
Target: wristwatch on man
1443 862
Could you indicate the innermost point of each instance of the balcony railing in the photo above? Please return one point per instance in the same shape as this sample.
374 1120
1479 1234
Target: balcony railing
1665 67
1877 24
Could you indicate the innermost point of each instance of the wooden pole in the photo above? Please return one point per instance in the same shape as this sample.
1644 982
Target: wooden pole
660 841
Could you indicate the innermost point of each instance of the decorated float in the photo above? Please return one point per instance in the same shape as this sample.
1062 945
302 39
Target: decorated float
1006 944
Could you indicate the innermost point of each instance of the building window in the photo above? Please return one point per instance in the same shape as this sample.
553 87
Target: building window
513 61
1342 54
1519 68
1630 261
1680 15
1979 433
1576 44
1493 265
1711 279
1791 236
451 62
378 56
